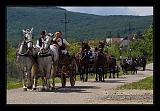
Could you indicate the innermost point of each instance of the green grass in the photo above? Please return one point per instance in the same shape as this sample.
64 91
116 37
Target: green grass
13 84
148 62
146 84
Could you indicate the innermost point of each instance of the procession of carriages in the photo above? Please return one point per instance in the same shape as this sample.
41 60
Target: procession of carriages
38 64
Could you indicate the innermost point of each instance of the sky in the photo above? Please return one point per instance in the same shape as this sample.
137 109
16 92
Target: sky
140 11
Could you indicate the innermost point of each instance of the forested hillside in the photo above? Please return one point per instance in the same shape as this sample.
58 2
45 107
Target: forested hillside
81 26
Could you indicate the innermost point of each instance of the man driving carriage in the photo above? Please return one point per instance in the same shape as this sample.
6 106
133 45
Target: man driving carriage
63 44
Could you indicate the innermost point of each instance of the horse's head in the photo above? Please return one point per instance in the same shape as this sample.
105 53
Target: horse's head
27 42
27 34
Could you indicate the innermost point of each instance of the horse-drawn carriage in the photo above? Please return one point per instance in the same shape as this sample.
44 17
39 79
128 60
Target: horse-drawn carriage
42 63
95 62
129 65
141 62
67 68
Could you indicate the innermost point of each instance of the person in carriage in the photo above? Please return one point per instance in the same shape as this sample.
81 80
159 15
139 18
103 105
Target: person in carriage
63 46
63 43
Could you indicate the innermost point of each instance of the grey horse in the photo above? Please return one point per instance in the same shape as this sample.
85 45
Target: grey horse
46 65
24 58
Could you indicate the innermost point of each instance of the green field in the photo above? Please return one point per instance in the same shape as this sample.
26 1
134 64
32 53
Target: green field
146 84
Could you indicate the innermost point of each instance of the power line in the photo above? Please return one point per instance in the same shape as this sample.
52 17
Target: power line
65 21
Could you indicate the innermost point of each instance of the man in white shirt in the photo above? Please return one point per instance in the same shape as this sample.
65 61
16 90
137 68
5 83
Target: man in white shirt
63 44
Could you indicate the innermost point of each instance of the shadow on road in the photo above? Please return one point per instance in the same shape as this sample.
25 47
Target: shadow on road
69 89
111 81
149 70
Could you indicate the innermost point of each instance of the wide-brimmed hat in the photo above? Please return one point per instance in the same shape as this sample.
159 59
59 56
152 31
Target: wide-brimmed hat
56 33
43 33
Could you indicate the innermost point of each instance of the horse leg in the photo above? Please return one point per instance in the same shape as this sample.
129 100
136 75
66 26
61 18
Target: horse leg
29 81
99 74
34 76
96 75
86 72
43 83
24 81
143 67
117 74
82 74
110 74
34 83
49 68
103 74
53 75
103 77
113 73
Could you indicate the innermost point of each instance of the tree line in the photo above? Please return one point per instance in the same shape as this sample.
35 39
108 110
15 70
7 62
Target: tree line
140 46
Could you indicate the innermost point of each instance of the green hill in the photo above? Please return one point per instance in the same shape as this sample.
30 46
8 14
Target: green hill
82 26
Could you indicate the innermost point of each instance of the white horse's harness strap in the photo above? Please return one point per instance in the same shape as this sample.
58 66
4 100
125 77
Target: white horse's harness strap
29 41
25 54
56 45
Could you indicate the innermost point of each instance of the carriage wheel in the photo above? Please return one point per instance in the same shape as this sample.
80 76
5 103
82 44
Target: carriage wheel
72 80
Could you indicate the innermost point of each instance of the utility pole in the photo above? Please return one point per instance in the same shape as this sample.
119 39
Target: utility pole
110 37
65 21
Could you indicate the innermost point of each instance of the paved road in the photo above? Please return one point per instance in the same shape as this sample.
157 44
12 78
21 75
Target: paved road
88 92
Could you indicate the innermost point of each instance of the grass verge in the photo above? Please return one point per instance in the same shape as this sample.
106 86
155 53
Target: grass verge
146 84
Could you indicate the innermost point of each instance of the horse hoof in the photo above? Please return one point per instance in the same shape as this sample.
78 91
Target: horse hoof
34 89
53 88
42 89
29 87
24 89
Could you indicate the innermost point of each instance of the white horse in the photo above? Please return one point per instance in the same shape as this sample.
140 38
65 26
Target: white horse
47 63
24 57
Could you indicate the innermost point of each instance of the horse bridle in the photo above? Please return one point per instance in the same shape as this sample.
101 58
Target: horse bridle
25 45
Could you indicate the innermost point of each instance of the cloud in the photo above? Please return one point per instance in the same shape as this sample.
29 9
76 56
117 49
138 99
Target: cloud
113 10
142 10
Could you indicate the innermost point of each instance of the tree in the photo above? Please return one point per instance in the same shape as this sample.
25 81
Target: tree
144 45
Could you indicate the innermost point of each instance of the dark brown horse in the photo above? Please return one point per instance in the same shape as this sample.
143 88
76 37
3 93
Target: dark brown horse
100 62
111 66
82 59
